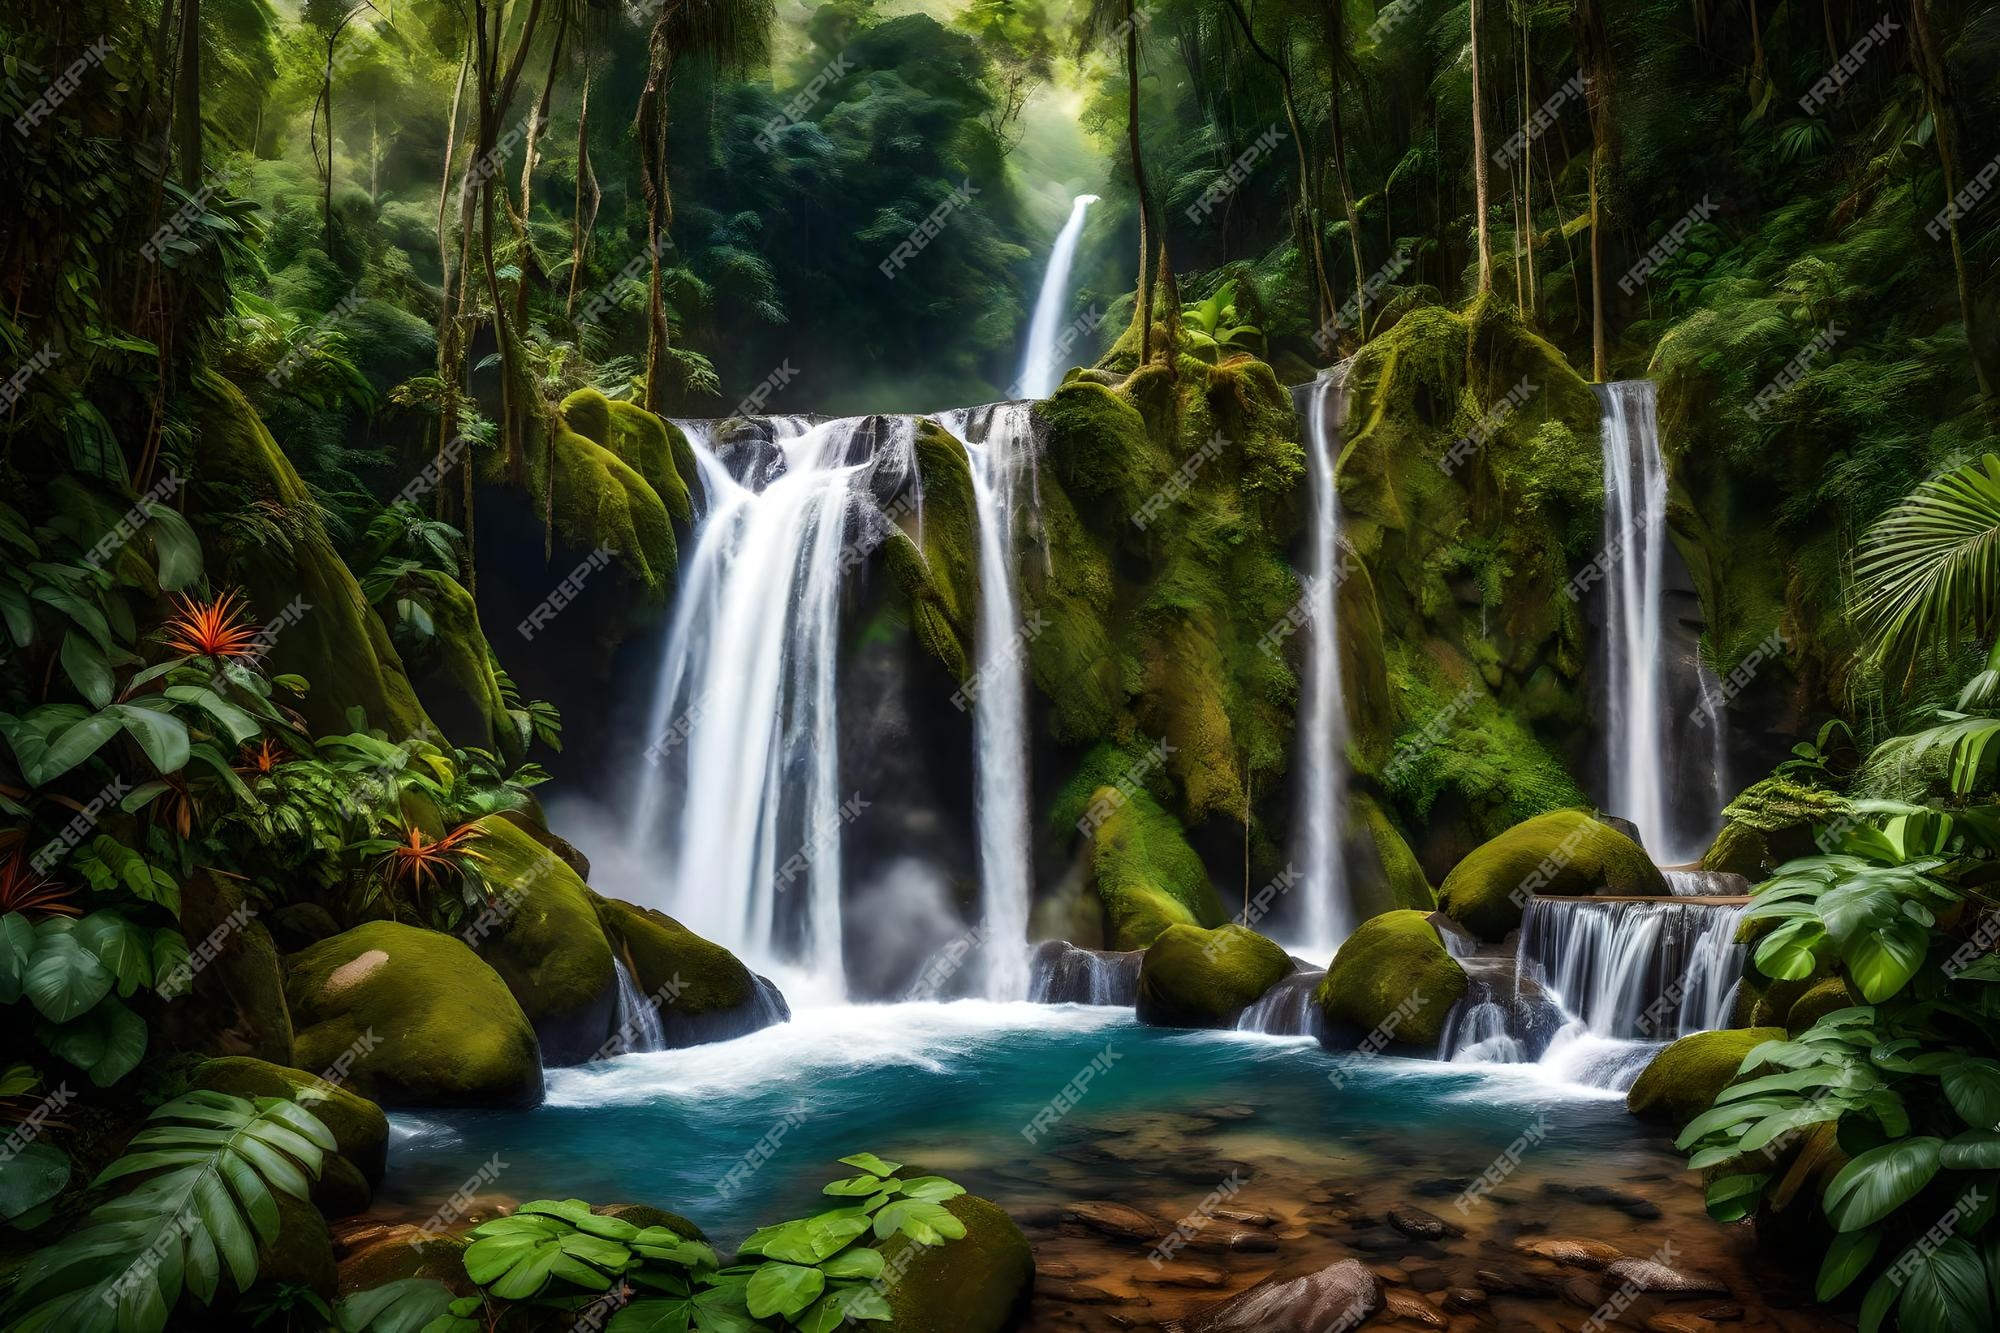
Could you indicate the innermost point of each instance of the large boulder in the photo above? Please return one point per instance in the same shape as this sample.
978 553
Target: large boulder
414 1018
1393 979
234 1002
1683 1080
1337 1297
542 936
1563 853
1383 874
1196 978
1770 822
360 1130
980 1283
705 993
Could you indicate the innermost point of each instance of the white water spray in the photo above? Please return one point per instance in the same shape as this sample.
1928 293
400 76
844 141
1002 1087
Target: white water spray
1042 363
1635 537
1328 915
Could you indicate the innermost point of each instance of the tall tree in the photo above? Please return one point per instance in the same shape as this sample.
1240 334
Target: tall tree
1479 175
1338 58
1594 56
1106 20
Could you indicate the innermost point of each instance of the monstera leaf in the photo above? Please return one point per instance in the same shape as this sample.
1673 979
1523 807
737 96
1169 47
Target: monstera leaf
208 1204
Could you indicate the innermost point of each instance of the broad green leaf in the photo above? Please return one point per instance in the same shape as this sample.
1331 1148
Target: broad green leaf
1972 1086
1946 1291
36 1173
17 947
107 1042
406 1305
70 747
85 665
861 1185
935 1188
175 547
922 1221
1734 1197
1845 1260
1882 961
126 949
873 1165
65 979
859 1262
1880 1181
162 736
783 1289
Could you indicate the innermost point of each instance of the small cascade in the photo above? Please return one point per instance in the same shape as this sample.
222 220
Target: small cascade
1288 1008
1685 883
1001 442
1480 1029
1061 973
638 1018
1327 916
1043 360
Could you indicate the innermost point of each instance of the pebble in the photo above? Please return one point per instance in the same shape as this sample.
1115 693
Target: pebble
1465 1298
1679 1323
1649 1276
1115 1219
1248 1217
1183 1275
1074 1293
1415 1309
1423 1225
1569 1250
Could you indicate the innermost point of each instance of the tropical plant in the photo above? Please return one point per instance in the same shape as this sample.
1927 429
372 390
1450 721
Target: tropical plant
1212 330
414 867
213 1167
25 890
1928 572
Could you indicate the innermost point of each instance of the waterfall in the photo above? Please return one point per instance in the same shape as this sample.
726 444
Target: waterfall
1635 540
638 1018
738 799
1065 974
1042 362
1327 914
1288 1009
1000 441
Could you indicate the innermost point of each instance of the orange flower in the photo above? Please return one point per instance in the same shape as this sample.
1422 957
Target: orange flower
262 759
211 629
419 861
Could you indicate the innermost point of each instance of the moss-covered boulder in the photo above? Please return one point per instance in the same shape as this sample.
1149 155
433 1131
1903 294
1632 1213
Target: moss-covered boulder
360 1129
600 502
543 937
331 636
1770 822
234 1004
415 1017
705 992
980 1283
1383 874
1683 1079
1826 996
1560 854
301 1255
1145 874
1394 978
390 1254
1196 978
456 677
933 551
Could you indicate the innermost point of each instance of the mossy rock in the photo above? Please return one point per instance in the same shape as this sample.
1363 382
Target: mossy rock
643 442
1393 977
1383 874
645 1215
601 503
1786 815
235 1004
459 680
416 1016
980 1283
1739 850
335 640
1774 1002
359 1128
302 1253
405 1252
295 925
1196 978
1146 875
543 937
1827 995
706 992
1561 854
1683 1080
933 552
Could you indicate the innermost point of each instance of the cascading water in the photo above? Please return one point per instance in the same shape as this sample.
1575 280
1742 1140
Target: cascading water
1327 916
739 797
1000 441
1042 362
637 1024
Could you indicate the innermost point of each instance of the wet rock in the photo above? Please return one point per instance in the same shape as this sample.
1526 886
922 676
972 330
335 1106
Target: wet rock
1240 1240
1632 1205
1059 1270
1206 1171
1571 1251
1248 1217
1648 1275
1726 1313
1413 1309
1115 1220
1679 1323
1428 1278
1381 1242
1072 1293
1465 1298
1234 1111
1582 1292
1183 1275
1336 1297
1442 1187
1391 1274
1424 1226
1041 1216
1512 1281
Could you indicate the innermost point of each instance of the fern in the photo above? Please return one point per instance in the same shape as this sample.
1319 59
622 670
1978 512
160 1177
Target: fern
212 1164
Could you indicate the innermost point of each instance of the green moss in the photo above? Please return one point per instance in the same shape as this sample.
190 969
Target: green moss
1393 976
546 944
465 659
600 501
415 1253
1101 450
234 1004
979 1283
665 955
1386 876
1683 1080
1195 978
1739 850
302 1253
416 1017
934 552
336 641
359 1128
646 444
1146 875
1562 854
1777 805
1827 995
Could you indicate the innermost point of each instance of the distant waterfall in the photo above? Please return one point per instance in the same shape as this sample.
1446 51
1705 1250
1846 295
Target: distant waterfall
1327 914
1000 440
739 799
1043 360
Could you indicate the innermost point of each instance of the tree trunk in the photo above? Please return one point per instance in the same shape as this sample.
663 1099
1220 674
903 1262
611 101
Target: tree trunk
1479 179
187 96
1146 218
1935 72
1593 54
585 217
1335 44
651 124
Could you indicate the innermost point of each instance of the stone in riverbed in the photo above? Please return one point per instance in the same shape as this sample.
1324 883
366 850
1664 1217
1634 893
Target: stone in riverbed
1393 980
1336 1297
1424 1226
1071 1293
1116 1220
1183 1275
1679 1323
1571 1252
980 1284
1413 1309
1647 1275
1632 1205
1683 1079
1512 1281
1563 853
1238 1240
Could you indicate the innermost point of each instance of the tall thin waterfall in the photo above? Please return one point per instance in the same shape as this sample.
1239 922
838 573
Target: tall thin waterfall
739 799
1635 541
1042 361
1000 441
1328 915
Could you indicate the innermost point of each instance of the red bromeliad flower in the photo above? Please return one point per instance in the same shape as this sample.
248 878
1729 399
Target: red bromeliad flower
211 629
262 759
420 861
23 889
